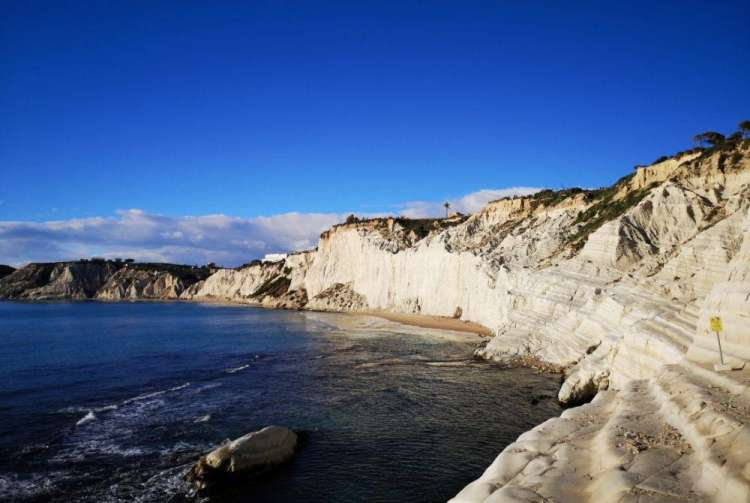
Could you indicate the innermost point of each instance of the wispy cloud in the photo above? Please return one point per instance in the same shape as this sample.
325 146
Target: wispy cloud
219 238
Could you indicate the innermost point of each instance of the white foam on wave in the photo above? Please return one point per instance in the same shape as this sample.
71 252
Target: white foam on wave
185 448
78 410
254 359
237 369
203 419
154 394
166 482
95 436
91 411
208 386
96 447
87 418
13 487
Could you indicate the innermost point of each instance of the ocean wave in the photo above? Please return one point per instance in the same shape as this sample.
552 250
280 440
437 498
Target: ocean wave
154 394
13 487
170 481
208 386
185 448
237 369
254 359
203 419
34 448
78 410
87 418
96 447
92 411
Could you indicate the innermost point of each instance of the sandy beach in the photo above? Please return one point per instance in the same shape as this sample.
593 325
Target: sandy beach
425 321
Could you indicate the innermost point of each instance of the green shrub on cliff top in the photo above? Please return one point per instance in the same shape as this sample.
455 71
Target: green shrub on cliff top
605 209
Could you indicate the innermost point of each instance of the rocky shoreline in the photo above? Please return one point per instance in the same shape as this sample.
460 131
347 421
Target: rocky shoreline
613 287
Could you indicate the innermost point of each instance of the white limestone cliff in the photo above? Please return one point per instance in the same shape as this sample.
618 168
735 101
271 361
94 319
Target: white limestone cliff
615 287
131 284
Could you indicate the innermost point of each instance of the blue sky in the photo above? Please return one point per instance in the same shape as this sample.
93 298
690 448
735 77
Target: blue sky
248 109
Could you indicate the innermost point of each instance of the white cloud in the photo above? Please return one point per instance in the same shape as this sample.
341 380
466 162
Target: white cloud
470 203
143 236
219 238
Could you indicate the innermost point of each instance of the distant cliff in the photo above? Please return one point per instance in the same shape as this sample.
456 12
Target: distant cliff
5 270
99 279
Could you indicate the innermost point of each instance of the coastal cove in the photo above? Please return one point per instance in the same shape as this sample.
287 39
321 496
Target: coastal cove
113 401
614 287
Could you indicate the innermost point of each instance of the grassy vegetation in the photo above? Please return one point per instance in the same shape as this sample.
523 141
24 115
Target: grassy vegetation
187 273
424 226
729 148
549 197
420 226
604 209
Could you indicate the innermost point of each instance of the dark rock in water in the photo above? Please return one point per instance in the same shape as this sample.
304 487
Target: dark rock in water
249 455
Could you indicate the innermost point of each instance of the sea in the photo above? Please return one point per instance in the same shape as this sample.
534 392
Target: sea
113 402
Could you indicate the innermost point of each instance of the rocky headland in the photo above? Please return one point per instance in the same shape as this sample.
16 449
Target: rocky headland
100 279
614 286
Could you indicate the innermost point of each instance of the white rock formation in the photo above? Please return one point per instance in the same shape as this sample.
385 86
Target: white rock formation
679 436
274 257
251 453
615 286
132 284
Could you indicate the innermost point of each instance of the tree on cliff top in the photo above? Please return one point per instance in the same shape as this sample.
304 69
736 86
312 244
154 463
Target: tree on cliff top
710 138
745 129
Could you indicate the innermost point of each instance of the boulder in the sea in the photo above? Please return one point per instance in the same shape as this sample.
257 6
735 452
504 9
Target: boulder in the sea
247 455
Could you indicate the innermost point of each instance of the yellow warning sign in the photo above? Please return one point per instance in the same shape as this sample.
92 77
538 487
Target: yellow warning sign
716 325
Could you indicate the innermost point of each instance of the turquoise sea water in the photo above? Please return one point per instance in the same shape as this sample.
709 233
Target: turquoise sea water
113 402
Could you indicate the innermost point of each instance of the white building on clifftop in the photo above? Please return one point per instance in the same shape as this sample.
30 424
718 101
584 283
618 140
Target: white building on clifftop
274 257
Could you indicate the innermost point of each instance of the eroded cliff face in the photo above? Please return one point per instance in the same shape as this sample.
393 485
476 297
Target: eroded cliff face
270 284
609 285
614 286
99 279
58 280
150 282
